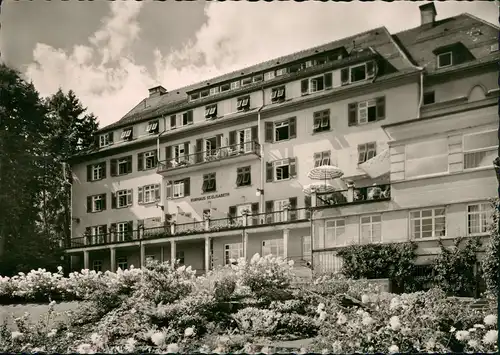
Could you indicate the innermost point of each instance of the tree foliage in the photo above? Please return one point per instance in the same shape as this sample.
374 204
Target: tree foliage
36 136
491 260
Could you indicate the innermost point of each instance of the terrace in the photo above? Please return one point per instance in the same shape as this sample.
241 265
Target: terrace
203 159
354 195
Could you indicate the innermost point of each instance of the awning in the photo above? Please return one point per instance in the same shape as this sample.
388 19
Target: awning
379 165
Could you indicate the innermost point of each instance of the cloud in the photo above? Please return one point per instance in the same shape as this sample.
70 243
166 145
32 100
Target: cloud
235 34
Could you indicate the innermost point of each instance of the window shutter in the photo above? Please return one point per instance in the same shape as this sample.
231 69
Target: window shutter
187 186
328 80
292 126
232 211
344 76
186 149
255 208
269 206
129 164
140 195
112 227
112 167
89 204
88 231
140 161
129 197
113 200
103 201
89 172
131 133
269 172
103 170
232 138
307 201
380 102
130 228
157 192
110 137
255 134
304 86
370 69
96 141
199 150
168 189
269 132
361 153
190 117
218 141
156 157
293 166
173 121
293 203
352 113
168 153
317 159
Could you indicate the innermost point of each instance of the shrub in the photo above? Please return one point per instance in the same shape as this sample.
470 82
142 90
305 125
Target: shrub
491 260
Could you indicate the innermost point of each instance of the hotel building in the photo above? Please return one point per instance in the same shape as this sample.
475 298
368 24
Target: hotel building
216 170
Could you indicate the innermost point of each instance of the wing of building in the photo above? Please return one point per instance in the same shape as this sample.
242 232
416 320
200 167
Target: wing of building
215 171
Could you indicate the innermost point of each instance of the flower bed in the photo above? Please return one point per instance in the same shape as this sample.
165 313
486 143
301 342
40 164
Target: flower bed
249 307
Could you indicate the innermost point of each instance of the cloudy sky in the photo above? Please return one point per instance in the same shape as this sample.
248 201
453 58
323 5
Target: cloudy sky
110 53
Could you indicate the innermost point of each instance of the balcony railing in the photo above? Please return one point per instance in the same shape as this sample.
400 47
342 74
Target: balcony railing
341 197
195 227
206 156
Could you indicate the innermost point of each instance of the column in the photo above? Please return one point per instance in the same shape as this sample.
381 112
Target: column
162 255
113 259
244 217
172 252
143 255
207 254
285 243
350 192
245 245
286 213
86 259
314 202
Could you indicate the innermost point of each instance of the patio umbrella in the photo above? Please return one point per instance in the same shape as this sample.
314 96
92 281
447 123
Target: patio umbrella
325 172
318 187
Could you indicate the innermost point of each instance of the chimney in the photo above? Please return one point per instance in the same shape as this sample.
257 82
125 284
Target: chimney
427 13
157 91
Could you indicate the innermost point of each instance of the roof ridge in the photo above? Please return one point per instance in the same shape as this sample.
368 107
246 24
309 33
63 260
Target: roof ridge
480 20
400 50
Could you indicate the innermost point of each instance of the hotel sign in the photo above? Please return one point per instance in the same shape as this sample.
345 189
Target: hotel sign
209 197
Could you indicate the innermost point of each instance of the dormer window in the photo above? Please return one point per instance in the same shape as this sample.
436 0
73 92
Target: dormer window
127 134
235 85
445 60
281 71
225 87
211 111
246 81
105 139
278 94
187 118
152 127
214 90
316 84
357 73
195 96
269 75
243 103
204 93
258 78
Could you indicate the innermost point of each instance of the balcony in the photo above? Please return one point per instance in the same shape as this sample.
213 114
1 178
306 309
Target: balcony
355 195
208 226
237 153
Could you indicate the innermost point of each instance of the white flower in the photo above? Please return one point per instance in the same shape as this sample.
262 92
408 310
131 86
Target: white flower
337 347
341 318
393 349
462 335
365 299
395 323
290 263
52 333
188 332
322 316
172 348
430 344
84 349
367 321
452 329
473 343
265 350
325 351
490 319
158 338
395 303
69 335
490 337
16 335
130 345
479 326
303 351
321 307
59 268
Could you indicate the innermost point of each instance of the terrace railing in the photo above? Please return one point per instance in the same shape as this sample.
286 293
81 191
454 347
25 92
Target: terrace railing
368 193
205 156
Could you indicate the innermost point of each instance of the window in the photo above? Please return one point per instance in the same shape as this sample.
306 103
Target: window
366 152
98 203
244 140
123 198
274 247
269 75
479 218
235 85
322 158
246 81
105 139
429 98
204 93
187 118
321 121
306 248
124 165
281 170
243 103
445 60
195 96
173 121
148 193
122 263
282 130
179 256
371 229
428 223
209 184
178 189
317 84
97 265
258 78
98 234
334 232
281 71
426 158
357 73
98 172
244 177
126 134
480 149
179 152
225 87
232 251
211 111
152 127
214 91
150 160
278 94
366 111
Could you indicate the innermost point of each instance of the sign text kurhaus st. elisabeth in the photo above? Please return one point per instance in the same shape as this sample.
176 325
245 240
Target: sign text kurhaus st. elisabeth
209 197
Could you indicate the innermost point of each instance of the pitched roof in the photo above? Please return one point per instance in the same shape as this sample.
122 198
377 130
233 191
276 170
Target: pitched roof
473 33
379 39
